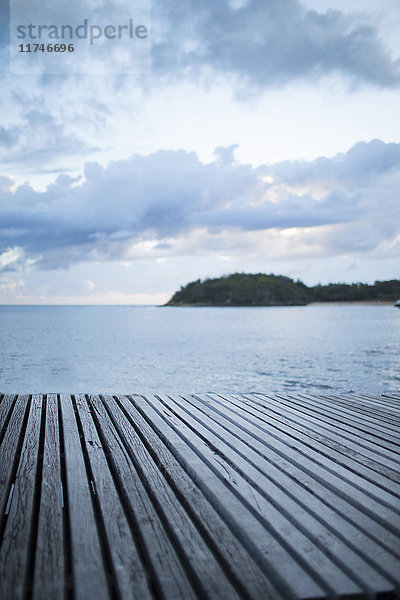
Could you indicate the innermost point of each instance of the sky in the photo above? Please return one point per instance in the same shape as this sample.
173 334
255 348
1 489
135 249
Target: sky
262 136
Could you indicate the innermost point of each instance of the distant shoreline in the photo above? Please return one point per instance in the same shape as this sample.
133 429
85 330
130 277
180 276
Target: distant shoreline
328 303
361 302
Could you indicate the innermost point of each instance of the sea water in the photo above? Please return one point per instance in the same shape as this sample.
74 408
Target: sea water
133 349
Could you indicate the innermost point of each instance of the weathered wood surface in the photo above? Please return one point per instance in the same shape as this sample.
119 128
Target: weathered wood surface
245 497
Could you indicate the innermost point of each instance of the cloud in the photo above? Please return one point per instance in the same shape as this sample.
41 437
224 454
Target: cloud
257 43
4 24
57 122
268 42
6 184
14 259
143 206
361 164
44 139
8 136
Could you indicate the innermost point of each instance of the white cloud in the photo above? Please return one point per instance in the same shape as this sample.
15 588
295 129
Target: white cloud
170 203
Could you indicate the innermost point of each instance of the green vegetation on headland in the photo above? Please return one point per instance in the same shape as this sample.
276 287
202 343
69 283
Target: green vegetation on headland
241 289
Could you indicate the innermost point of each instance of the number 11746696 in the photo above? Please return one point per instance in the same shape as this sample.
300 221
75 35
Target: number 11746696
46 48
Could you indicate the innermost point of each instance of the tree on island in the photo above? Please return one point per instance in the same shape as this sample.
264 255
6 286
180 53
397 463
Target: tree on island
241 289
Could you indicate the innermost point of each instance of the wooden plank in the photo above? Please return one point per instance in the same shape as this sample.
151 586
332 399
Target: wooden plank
225 546
167 572
130 573
347 548
366 419
89 573
385 405
9 452
350 526
393 398
321 484
375 463
364 440
5 410
388 401
256 531
336 433
16 549
375 408
206 573
375 435
331 466
384 427
344 452
49 581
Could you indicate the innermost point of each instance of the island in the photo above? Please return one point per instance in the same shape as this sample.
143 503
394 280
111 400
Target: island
244 289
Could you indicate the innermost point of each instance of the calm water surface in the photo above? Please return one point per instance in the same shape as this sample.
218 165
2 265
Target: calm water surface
149 349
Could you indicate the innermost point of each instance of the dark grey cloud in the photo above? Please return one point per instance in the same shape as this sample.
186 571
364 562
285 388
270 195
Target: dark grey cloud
259 44
169 194
268 42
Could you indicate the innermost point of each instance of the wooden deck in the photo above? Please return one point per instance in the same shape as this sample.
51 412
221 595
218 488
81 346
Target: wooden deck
199 497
